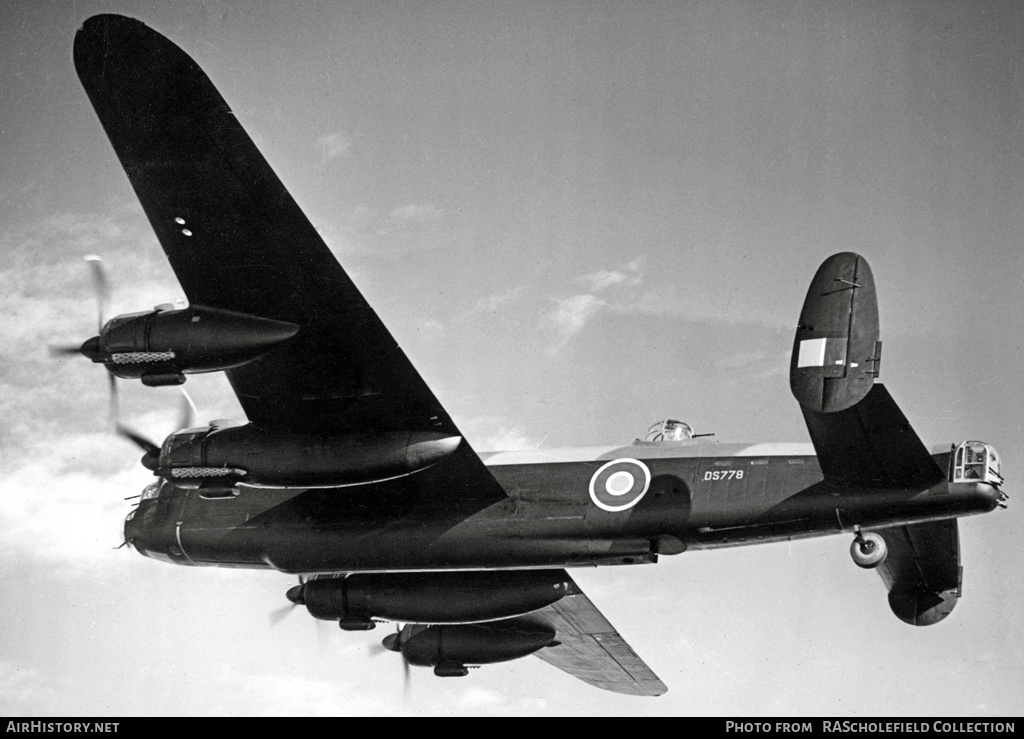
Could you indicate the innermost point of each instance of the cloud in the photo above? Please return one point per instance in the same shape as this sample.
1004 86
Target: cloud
416 213
691 308
431 329
505 439
66 504
404 229
63 478
493 302
22 688
335 145
628 275
569 316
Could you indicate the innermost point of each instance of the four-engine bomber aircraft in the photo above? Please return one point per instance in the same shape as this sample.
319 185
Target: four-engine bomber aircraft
350 473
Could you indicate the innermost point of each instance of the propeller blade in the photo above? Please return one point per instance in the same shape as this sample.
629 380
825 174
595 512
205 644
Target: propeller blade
151 458
294 593
149 447
115 402
279 614
392 642
64 350
187 413
101 285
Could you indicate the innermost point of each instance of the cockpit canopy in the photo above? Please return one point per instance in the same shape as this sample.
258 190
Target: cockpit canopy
975 461
669 430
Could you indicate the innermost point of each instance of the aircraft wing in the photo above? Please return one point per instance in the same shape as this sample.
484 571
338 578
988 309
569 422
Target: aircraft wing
238 241
592 650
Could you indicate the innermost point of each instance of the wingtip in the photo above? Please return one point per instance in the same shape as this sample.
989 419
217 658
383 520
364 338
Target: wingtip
101 34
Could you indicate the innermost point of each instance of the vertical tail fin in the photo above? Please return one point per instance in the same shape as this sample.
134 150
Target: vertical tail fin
860 435
836 352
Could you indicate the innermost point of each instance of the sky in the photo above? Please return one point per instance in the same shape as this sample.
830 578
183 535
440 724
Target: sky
577 218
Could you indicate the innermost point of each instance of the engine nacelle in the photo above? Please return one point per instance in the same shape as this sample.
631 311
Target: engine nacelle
433 597
257 457
158 346
449 648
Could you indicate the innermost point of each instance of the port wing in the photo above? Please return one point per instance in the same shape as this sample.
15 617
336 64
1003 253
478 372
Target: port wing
592 650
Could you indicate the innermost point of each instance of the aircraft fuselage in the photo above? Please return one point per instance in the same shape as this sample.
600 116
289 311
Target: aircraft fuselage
564 508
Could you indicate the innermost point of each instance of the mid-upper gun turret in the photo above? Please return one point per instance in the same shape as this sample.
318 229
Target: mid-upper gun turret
669 430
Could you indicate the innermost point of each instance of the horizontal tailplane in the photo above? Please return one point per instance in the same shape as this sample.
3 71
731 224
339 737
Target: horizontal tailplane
922 570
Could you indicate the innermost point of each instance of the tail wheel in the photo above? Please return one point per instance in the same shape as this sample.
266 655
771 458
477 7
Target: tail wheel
868 550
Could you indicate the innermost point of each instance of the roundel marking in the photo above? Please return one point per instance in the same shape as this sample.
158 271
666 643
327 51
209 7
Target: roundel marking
619 484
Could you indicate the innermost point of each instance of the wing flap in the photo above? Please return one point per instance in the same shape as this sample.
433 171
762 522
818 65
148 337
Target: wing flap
591 650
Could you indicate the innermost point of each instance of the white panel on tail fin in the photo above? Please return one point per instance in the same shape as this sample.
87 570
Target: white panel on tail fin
812 353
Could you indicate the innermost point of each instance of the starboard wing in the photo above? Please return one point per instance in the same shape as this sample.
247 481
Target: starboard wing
592 650
238 241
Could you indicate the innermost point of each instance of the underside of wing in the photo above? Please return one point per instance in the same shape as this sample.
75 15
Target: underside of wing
592 650
238 241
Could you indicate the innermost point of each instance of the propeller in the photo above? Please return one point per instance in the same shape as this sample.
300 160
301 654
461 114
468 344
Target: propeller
187 414
101 287
294 594
393 643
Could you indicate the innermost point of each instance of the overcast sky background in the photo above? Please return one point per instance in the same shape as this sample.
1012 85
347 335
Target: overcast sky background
577 218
